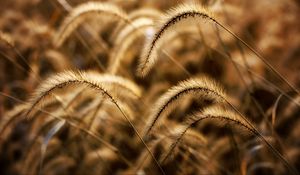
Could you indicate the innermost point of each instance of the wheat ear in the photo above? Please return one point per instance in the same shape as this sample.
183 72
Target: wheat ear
81 13
185 12
202 86
70 78
93 80
214 112
218 113
168 21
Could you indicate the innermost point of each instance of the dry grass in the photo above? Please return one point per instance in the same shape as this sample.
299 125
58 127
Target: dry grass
149 87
